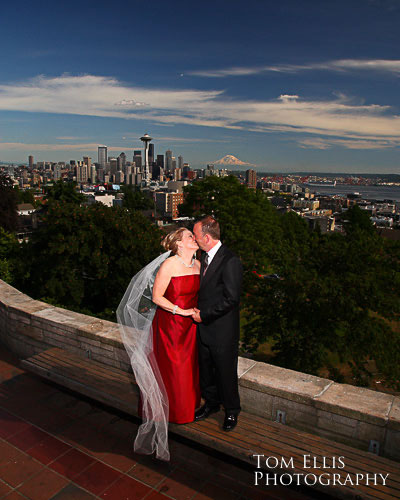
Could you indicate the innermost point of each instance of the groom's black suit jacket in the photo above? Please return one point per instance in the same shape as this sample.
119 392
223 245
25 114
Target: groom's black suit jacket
219 297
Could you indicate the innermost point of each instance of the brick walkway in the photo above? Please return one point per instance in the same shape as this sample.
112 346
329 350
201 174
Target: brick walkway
56 445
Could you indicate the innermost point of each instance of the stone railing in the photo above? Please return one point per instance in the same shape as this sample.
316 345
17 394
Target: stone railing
355 416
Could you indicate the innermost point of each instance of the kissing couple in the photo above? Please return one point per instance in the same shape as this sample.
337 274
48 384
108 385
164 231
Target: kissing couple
179 322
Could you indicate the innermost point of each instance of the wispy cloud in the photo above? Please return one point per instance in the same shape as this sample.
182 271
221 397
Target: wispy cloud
88 147
339 117
324 143
378 65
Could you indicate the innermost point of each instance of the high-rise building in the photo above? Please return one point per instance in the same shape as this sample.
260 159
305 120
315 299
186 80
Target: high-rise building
113 165
251 178
168 160
102 156
137 158
151 153
180 162
30 161
160 161
93 174
81 173
57 172
87 161
121 162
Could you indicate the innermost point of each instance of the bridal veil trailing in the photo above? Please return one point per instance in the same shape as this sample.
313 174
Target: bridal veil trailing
135 314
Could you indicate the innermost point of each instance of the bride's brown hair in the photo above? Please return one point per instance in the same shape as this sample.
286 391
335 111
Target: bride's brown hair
170 242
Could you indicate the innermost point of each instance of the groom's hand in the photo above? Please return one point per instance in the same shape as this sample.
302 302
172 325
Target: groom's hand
196 316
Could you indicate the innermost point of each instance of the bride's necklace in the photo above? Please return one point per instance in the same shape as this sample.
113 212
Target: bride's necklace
180 258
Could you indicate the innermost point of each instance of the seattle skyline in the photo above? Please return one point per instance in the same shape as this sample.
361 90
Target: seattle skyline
294 86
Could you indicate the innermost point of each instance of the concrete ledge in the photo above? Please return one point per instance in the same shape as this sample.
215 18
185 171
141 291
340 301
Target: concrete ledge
351 415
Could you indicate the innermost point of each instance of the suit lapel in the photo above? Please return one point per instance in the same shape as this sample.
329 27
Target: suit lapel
211 268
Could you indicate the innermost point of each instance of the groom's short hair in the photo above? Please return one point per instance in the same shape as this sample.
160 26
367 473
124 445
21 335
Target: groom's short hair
210 226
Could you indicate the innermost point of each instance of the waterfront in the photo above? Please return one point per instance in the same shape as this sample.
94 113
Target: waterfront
366 192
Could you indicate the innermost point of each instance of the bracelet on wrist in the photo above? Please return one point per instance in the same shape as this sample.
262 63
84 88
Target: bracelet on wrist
174 309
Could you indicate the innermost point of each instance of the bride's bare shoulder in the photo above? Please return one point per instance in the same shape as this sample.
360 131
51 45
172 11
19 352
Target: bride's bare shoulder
197 264
168 264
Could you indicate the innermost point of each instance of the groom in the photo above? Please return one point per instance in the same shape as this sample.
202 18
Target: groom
218 323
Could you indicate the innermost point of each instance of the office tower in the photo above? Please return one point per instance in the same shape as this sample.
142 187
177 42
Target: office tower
168 160
93 174
121 162
113 165
100 175
57 172
185 170
146 141
87 161
151 153
137 158
180 162
251 179
155 173
81 173
102 156
160 161
30 160
119 177
127 170
173 161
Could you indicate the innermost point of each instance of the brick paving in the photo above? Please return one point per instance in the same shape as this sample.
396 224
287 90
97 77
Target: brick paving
57 445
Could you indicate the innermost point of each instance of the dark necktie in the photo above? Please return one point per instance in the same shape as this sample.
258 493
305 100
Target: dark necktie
205 264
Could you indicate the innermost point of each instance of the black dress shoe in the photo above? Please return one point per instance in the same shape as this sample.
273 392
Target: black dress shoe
230 421
204 412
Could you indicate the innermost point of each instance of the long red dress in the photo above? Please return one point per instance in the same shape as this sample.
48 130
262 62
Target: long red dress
175 349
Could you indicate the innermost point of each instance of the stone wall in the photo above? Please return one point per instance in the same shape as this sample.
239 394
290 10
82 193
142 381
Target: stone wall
355 416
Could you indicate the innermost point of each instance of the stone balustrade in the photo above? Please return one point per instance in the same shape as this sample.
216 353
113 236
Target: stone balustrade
355 416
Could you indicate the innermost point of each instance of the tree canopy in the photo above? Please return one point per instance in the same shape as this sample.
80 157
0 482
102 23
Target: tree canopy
84 257
8 204
317 299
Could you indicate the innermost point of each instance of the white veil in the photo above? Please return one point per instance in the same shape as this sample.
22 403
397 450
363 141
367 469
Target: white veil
135 314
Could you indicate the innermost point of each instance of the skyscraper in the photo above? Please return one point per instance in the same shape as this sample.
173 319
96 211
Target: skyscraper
251 178
160 161
151 153
102 156
180 162
168 160
30 160
87 161
137 158
121 161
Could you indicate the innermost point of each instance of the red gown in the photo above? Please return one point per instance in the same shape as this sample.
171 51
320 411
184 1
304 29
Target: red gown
175 349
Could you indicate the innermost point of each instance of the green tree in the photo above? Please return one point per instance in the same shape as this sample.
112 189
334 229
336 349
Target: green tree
357 219
65 192
26 196
84 257
9 248
336 302
249 223
134 199
8 204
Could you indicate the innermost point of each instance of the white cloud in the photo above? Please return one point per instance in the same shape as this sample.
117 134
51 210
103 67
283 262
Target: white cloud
379 65
89 147
339 117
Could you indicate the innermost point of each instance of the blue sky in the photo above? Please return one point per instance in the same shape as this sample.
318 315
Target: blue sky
286 86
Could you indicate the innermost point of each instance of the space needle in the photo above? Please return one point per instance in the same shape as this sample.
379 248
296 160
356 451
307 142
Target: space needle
146 141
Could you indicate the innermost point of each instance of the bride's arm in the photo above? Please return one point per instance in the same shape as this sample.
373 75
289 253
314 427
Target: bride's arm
161 283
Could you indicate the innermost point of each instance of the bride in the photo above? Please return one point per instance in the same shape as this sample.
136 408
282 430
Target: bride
155 320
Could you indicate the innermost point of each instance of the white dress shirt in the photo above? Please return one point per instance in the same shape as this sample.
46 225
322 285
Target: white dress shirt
211 253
